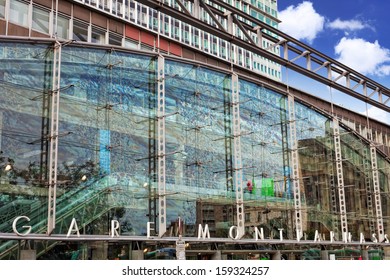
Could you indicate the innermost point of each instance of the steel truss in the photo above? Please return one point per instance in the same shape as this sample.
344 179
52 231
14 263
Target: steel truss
225 17
295 166
162 219
367 180
237 155
340 179
377 195
55 105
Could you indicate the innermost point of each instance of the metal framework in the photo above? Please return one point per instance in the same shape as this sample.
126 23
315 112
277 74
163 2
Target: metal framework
162 221
367 180
340 179
295 165
152 159
332 185
285 151
55 103
255 31
237 163
377 196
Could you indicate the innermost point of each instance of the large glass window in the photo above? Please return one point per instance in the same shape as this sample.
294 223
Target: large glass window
18 13
40 20
107 149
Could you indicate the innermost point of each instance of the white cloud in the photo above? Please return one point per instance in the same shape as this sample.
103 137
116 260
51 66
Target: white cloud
301 22
347 25
378 114
363 56
384 70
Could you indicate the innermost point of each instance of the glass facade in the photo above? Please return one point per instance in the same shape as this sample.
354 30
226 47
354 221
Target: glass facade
108 153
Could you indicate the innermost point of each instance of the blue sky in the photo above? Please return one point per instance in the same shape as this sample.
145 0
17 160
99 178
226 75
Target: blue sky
354 32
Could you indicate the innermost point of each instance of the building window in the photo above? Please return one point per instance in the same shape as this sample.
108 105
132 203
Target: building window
40 20
206 42
2 8
176 29
62 27
195 38
247 217
80 31
18 13
259 217
131 44
98 35
154 20
115 39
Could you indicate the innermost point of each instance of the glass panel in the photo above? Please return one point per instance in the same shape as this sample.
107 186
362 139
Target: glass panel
98 35
40 20
2 8
18 13
62 27
115 39
199 125
105 114
80 31
24 86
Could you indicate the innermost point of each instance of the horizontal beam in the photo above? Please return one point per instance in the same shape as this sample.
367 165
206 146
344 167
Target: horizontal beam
108 238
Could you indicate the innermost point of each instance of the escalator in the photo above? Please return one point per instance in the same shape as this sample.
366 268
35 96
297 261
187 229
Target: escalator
85 203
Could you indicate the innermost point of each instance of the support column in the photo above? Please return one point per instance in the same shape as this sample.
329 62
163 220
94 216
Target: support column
386 252
217 255
377 194
55 100
237 163
332 181
162 223
340 179
324 255
367 180
28 254
276 256
196 11
295 166
99 251
365 254
137 255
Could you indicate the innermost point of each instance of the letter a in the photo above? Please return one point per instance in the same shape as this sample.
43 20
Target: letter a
76 228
